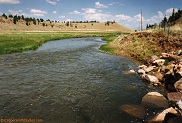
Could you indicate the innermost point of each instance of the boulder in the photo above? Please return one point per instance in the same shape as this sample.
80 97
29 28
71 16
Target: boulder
179 103
161 116
141 71
130 72
170 56
155 100
148 69
134 110
150 78
159 76
152 59
159 62
178 85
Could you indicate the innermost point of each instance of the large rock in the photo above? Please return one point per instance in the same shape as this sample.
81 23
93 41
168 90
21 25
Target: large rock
141 71
178 85
150 78
159 62
148 69
134 110
155 100
153 58
161 116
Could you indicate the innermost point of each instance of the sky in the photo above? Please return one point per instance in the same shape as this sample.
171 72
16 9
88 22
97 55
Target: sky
124 12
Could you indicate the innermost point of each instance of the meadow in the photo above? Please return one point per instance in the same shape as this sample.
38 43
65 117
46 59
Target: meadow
24 41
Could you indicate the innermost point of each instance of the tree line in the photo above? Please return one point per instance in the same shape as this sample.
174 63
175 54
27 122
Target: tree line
27 20
167 22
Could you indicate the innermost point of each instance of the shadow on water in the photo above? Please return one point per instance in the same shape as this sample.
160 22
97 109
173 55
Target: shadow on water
68 81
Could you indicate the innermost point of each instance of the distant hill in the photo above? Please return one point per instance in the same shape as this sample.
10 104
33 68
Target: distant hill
8 24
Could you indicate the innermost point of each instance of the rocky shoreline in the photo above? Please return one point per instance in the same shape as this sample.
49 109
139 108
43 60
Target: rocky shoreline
161 70
166 71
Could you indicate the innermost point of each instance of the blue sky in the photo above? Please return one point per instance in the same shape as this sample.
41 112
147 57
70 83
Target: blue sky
125 12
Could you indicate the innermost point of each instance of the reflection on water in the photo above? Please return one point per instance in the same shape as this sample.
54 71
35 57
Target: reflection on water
68 81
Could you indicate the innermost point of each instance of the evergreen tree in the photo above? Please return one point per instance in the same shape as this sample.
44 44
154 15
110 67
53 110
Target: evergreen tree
22 17
10 16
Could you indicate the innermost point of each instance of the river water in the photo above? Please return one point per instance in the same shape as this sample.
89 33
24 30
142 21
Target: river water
68 81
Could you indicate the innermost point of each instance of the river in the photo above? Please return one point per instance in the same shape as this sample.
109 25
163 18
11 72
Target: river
68 81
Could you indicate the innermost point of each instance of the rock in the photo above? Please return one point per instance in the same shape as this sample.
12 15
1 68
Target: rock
168 68
148 69
152 59
170 56
179 52
178 69
159 62
159 76
179 103
141 71
142 66
178 85
155 99
161 116
134 110
150 78
130 72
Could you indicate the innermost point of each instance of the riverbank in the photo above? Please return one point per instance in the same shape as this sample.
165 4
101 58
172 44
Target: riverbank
142 45
24 41
162 58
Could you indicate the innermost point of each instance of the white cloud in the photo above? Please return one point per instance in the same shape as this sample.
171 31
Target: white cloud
114 3
89 10
53 2
62 17
54 12
169 11
9 1
123 17
13 12
94 14
99 5
37 12
75 12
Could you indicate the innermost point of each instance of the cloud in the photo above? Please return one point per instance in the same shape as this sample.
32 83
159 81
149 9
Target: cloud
9 1
123 17
13 12
75 12
169 11
99 5
53 2
37 12
62 17
114 3
54 12
94 14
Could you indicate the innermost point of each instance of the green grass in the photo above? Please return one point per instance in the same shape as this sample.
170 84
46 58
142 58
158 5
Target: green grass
109 38
19 42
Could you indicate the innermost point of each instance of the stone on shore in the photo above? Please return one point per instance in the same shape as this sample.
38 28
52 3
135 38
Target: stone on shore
178 85
134 110
155 100
148 69
141 71
159 62
161 116
150 78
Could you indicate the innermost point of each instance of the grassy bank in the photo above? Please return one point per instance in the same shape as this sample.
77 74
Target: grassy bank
19 42
141 46
108 39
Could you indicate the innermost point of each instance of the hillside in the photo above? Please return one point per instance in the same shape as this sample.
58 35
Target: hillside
7 25
178 24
